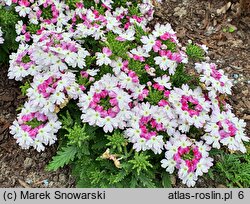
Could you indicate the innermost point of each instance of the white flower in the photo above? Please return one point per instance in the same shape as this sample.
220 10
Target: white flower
166 63
22 10
112 22
203 166
1 38
190 179
140 52
156 144
19 27
169 165
162 29
163 81
102 59
149 42
117 65
109 124
140 145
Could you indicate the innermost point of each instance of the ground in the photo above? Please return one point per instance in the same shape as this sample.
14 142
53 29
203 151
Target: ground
215 23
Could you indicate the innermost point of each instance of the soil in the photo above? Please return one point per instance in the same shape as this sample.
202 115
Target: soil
202 21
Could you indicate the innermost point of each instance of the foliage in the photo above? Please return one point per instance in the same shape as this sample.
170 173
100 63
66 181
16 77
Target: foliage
25 87
8 20
233 170
63 157
112 162
195 52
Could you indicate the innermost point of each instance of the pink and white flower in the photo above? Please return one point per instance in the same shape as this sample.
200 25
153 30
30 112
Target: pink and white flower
190 105
103 58
146 127
106 104
51 90
35 129
226 129
191 159
215 80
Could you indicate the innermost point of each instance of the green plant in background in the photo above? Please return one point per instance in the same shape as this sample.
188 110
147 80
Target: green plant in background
195 52
232 170
229 29
25 87
8 20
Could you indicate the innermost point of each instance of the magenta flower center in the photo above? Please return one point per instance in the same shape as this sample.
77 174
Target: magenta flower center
105 103
149 127
226 129
48 87
33 122
190 155
191 105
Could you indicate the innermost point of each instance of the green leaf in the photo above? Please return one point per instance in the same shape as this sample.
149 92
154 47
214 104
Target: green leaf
146 181
63 157
140 163
25 87
139 32
231 29
117 141
154 96
166 180
66 120
180 77
195 52
133 182
118 177
170 45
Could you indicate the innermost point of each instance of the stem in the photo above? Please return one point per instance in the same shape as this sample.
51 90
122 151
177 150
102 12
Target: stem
238 183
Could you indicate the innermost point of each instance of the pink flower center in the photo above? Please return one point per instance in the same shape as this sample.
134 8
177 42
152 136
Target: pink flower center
48 87
190 155
191 105
105 103
33 122
226 129
149 127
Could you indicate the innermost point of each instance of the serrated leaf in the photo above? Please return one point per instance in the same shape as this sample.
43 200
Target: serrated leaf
63 157
133 182
146 182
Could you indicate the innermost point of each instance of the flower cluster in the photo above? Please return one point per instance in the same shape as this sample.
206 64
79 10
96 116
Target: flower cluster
50 90
106 104
190 158
35 129
191 107
145 128
125 76
226 129
214 79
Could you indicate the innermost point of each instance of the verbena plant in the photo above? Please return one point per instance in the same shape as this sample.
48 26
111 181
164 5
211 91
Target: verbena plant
117 95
